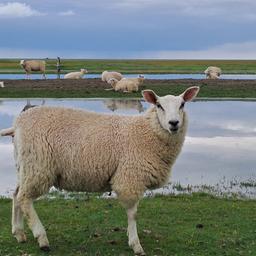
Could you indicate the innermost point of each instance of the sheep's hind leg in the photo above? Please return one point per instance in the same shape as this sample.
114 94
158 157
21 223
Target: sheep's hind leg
34 222
17 220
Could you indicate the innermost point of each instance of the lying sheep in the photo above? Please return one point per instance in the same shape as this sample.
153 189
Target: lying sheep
212 72
76 75
33 65
107 75
127 84
77 150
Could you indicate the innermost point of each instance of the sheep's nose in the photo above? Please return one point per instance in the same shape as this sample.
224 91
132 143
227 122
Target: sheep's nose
174 122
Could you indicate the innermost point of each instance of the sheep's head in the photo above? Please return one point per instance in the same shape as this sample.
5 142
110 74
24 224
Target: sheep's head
169 108
22 62
112 81
84 71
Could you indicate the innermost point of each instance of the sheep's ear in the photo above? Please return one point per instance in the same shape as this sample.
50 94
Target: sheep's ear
149 96
190 93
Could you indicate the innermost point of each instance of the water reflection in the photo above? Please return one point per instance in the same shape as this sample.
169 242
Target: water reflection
123 104
221 139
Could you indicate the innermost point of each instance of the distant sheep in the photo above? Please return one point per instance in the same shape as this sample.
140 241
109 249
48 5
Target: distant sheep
76 75
107 75
212 72
2 84
33 65
78 150
127 84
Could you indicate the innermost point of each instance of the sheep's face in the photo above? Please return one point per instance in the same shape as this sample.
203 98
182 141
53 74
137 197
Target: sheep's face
170 109
84 71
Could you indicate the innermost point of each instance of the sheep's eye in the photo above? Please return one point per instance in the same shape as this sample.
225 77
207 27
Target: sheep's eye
182 105
159 106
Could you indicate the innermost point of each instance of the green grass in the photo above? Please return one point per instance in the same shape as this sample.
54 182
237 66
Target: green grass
139 66
178 225
211 89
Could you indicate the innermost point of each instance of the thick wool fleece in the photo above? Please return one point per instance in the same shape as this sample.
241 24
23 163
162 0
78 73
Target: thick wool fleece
107 75
79 150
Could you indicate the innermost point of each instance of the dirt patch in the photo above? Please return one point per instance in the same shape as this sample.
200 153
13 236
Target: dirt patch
95 83
94 87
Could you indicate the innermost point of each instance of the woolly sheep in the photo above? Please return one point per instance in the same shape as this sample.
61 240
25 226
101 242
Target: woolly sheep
33 65
127 84
79 150
107 75
212 72
76 75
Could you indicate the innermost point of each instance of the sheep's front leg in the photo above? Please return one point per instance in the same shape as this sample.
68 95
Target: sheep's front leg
132 233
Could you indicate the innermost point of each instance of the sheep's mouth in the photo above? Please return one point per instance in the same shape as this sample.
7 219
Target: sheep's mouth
174 129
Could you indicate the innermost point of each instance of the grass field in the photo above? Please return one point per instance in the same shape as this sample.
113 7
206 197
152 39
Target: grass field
139 66
94 88
171 225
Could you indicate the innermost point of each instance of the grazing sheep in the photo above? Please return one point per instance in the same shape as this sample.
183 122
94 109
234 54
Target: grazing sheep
76 75
33 65
212 72
79 150
126 84
107 75
2 84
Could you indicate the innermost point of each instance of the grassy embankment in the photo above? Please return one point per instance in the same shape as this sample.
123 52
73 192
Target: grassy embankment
94 88
180 225
139 66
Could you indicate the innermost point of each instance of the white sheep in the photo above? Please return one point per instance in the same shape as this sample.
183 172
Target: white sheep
107 75
77 150
33 65
126 84
2 84
212 72
76 75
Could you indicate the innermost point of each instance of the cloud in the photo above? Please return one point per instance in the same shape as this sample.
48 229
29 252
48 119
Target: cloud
224 9
244 50
67 13
17 10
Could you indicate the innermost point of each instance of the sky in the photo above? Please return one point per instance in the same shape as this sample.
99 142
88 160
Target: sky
141 29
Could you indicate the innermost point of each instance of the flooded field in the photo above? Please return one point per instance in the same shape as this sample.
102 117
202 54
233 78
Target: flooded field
218 155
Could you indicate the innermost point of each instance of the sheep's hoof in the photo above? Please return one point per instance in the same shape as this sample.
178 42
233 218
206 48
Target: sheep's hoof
20 236
140 253
45 248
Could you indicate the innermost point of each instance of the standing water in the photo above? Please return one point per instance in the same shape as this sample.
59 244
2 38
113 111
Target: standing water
218 154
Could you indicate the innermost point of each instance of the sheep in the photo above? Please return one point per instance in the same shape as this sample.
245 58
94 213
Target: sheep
76 75
107 75
126 84
33 65
2 84
212 72
78 150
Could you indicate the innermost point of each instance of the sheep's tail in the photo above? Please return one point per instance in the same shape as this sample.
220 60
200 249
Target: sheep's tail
7 132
